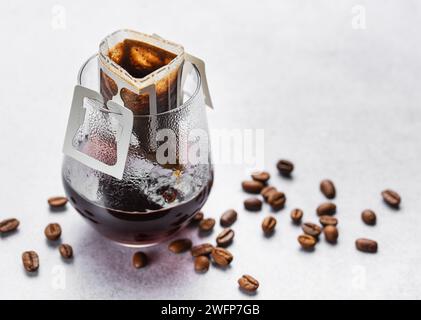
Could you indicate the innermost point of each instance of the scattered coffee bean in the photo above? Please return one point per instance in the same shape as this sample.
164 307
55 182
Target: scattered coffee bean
221 256
248 283
52 231
268 225
139 260
180 245
253 204
277 200
311 229
328 189
201 264
369 217
197 217
228 218
57 202
331 234
307 242
327 208
66 250
30 261
366 245
285 167
261 176
297 215
224 239
203 249
392 198
9 225
267 191
328 221
252 186
206 225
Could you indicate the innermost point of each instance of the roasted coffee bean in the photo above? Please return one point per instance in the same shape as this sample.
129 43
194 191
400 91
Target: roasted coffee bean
203 249
285 167
331 234
392 198
252 186
268 224
253 204
248 283
328 189
180 245
326 209
221 256
207 225
228 218
224 239
297 215
277 200
139 260
197 217
30 261
328 221
366 245
369 217
66 250
307 242
261 176
201 264
267 191
56 202
311 229
9 225
52 231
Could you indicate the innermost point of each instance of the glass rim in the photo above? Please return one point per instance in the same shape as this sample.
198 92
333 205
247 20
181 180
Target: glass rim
185 104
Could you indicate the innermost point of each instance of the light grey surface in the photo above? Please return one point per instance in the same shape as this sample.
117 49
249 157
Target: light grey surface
339 102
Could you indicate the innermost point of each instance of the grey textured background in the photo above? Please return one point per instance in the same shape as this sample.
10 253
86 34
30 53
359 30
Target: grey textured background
339 102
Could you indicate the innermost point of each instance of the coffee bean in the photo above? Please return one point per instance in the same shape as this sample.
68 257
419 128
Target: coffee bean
56 202
331 234
267 191
197 217
277 200
139 260
327 208
203 249
328 189
366 245
228 218
307 242
261 176
52 231
206 225
66 250
221 256
328 221
297 215
253 204
392 198
201 264
311 229
30 261
252 186
180 245
248 283
268 224
9 225
224 239
369 217
285 167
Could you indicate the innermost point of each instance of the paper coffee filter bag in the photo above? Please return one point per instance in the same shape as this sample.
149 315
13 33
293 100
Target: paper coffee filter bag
141 72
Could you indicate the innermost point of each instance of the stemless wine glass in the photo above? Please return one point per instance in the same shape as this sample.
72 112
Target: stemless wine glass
154 198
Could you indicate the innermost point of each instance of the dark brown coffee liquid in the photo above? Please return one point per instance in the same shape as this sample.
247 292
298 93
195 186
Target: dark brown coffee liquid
136 227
